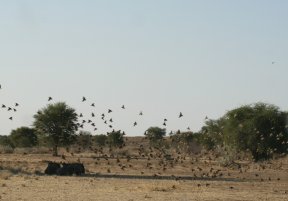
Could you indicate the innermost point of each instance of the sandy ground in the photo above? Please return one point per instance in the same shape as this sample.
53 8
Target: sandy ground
21 178
44 188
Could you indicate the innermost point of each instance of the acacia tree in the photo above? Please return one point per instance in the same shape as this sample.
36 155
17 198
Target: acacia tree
258 128
155 135
59 122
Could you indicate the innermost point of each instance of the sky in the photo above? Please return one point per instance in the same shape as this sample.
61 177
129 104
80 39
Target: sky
162 57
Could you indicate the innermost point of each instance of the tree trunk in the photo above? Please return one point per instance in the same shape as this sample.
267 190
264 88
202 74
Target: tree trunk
55 150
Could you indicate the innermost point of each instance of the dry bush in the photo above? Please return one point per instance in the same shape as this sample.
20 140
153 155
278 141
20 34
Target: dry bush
6 150
32 150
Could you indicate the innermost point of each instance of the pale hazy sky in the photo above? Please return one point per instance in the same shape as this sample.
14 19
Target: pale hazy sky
159 56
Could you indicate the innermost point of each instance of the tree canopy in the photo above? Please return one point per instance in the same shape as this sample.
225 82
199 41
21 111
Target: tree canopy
24 137
259 128
59 121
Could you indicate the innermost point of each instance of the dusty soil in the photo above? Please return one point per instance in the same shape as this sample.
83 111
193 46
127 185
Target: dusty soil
148 177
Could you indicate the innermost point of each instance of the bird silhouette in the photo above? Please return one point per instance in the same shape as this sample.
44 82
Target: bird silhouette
123 107
180 115
3 106
93 115
93 104
49 98
141 113
83 99
111 120
9 108
11 118
16 104
80 115
109 111
165 119
164 124
135 123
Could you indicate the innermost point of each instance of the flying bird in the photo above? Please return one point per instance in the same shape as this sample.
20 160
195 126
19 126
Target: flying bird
93 104
80 115
3 106
16 104
123 107
180 115
11 118
83 99
141 113
9 108
93 115
109 111
49 98
135 123
164 124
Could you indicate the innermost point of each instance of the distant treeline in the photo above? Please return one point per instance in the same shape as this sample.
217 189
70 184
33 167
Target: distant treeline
259 129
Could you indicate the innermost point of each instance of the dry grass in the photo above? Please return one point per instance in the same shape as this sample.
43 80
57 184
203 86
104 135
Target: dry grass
149 177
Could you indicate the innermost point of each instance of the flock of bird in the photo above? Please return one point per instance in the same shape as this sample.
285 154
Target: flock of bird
107 120
9 108
85 120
